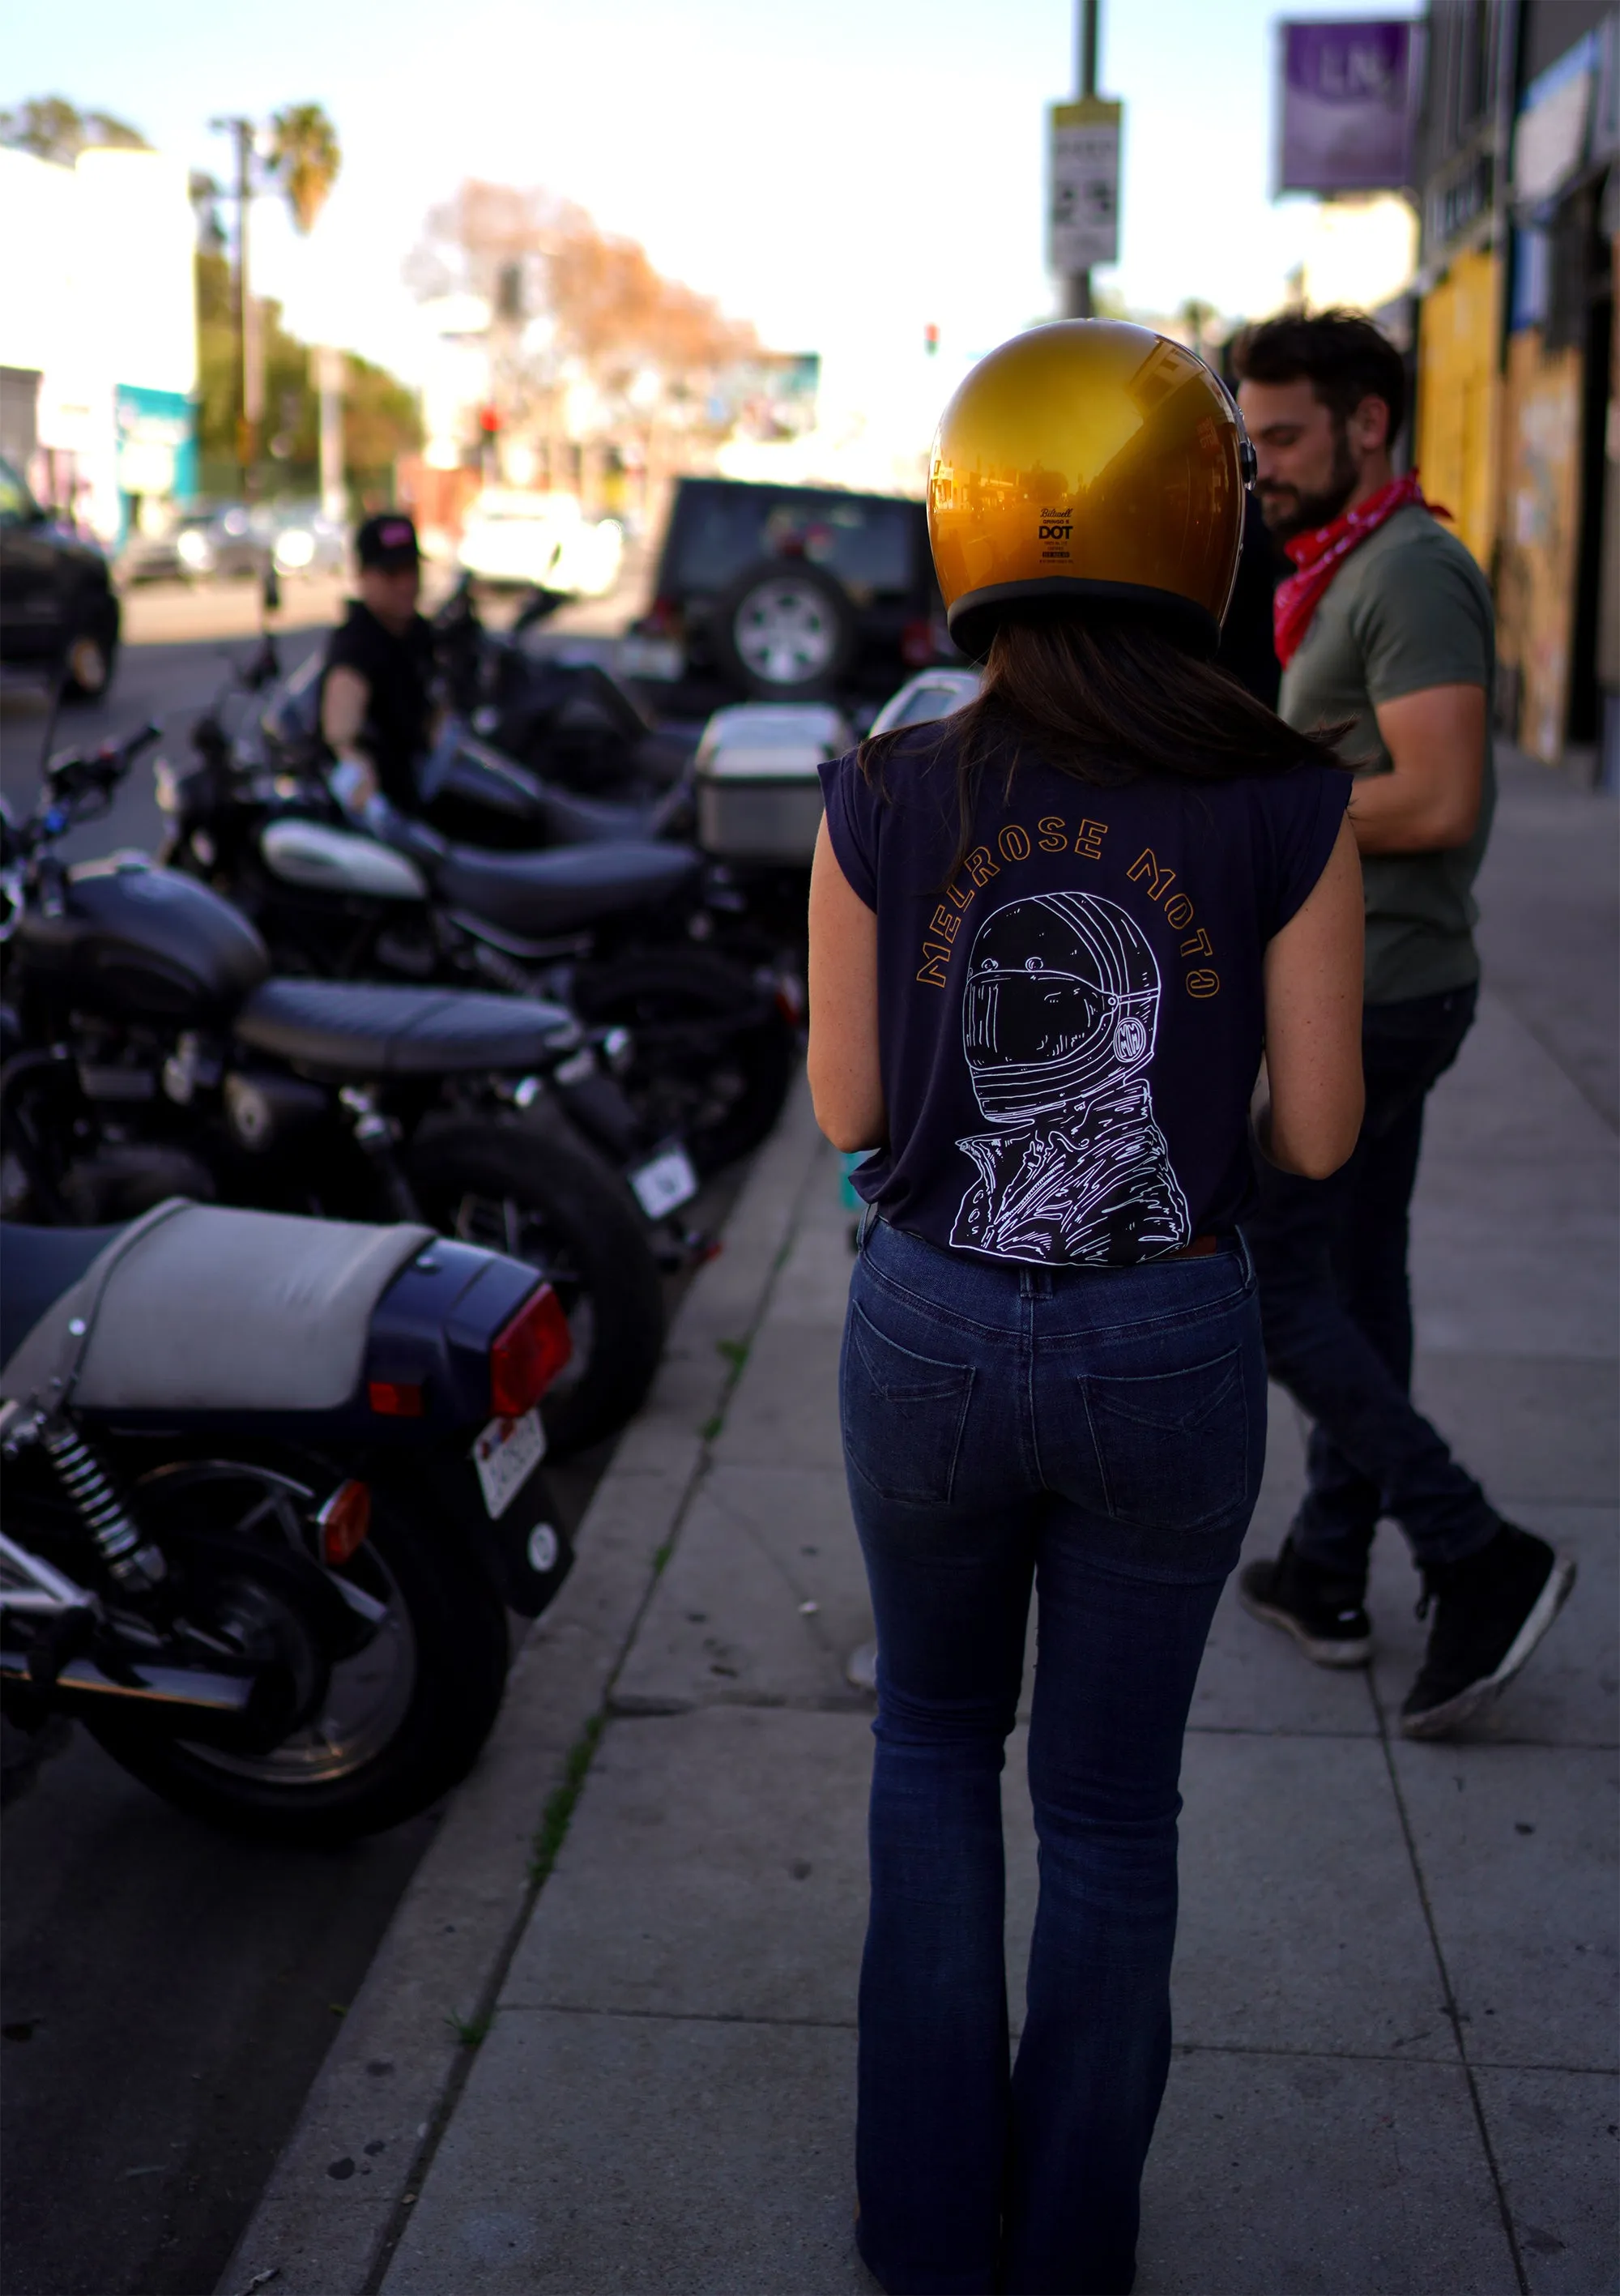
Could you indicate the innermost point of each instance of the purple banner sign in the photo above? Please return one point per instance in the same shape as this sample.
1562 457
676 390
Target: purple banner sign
1346 108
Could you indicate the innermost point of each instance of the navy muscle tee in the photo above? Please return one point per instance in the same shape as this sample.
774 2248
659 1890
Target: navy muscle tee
1070 1023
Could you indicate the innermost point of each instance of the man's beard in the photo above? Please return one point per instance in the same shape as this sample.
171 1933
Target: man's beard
1286 512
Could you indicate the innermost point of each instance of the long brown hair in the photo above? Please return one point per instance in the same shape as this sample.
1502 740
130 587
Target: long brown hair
1110 698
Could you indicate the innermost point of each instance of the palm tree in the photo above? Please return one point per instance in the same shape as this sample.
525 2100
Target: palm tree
305 157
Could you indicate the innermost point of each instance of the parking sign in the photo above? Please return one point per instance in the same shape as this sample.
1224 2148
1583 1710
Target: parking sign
1083 222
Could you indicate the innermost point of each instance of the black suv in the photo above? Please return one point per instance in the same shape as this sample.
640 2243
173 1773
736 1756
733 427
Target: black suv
787 594
56 602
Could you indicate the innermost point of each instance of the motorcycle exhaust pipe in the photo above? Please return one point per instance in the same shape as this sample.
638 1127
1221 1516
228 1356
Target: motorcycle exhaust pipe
162 1690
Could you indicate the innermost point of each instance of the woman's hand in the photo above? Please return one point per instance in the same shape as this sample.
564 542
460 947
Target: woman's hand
1313 1024
845 1082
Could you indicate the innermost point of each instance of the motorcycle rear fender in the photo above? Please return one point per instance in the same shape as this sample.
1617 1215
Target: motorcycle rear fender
525 1552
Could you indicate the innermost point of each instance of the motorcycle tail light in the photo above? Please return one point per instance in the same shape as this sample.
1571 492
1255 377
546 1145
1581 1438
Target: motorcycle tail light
526 1355
344 1522
662 618
394 1398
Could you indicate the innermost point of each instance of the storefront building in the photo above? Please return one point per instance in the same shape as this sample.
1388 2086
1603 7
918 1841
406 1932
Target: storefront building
98 334
1515 429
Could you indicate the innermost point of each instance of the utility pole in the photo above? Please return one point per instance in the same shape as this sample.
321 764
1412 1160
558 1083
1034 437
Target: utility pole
329 378
1084 221
1077 286
251 393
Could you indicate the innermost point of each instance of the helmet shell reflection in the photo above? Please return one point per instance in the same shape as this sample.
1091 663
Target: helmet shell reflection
1062 1003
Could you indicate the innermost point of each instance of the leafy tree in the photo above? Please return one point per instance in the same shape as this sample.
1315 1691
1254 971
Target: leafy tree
52 129
306 157
380 421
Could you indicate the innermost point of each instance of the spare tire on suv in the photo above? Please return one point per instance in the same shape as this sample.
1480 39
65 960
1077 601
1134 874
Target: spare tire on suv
785 630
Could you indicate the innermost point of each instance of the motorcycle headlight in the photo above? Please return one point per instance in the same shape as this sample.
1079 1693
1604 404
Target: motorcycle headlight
192 549
294 550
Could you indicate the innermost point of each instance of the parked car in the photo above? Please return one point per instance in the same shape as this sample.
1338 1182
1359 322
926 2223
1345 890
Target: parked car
540 541
303 540
786 593
56 598
221 540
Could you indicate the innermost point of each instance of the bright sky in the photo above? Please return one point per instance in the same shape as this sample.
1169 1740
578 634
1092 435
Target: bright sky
841 171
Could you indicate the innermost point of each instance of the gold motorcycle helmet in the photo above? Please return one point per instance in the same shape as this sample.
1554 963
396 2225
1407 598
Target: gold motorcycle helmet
1089 460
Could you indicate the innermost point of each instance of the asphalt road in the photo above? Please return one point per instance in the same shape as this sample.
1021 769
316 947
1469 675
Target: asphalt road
167 1992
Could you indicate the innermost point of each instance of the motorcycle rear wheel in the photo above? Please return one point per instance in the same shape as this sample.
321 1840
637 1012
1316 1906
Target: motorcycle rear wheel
526 1189
719 1086
400 1721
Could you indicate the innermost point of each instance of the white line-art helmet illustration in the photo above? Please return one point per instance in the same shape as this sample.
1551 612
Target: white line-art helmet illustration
1061 1002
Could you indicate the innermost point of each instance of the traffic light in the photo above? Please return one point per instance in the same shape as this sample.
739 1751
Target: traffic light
489 421
930 339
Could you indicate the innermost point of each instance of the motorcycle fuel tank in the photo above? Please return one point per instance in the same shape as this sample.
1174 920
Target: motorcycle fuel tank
338 861
141 943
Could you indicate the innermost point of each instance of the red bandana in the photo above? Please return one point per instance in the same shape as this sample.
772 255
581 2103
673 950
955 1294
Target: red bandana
1320 553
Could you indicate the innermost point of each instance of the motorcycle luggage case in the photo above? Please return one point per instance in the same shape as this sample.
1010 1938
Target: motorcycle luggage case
140 943
759 795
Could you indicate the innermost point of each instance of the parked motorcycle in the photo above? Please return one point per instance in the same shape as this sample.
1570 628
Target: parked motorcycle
149 1053
271 1485
631 934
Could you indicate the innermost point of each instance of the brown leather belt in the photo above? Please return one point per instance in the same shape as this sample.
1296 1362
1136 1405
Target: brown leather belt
1199 1248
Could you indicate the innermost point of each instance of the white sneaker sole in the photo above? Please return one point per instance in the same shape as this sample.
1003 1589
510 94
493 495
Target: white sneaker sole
1354 1651
1439 1721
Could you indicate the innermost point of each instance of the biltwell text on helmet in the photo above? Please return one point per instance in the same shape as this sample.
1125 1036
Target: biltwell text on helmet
1061 1002
1088 460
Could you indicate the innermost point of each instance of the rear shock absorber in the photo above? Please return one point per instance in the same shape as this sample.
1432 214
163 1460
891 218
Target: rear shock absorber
90 1487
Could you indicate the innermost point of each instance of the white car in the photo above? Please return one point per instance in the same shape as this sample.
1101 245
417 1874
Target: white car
544 539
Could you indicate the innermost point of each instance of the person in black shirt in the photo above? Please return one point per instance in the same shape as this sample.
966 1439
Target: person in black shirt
378 709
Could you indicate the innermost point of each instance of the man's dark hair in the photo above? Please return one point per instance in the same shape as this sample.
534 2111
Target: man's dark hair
1340 353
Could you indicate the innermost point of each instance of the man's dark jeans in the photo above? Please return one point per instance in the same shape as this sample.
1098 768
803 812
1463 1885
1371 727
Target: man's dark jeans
1337 1311
1098 1433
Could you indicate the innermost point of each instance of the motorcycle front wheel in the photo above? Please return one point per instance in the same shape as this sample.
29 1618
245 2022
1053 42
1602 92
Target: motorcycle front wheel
526 1189
396 1715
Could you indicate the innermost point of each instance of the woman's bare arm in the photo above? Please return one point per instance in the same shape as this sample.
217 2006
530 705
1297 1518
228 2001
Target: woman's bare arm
846 1083
1313 1024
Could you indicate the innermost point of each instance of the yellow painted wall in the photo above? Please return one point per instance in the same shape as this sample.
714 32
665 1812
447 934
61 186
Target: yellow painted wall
1541 536
1458 396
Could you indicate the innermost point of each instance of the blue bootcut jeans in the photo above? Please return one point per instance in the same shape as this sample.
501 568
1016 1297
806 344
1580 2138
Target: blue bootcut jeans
1099 1434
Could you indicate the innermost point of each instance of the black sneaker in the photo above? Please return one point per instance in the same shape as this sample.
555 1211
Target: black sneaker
1491 1610
1323 1614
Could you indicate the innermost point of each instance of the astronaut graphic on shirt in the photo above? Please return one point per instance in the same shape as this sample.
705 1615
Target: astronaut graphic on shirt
1059 1018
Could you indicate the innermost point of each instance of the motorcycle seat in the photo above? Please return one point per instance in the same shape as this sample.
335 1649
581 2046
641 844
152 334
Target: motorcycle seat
167 1302
572 820
36 1266
338 1029
566 889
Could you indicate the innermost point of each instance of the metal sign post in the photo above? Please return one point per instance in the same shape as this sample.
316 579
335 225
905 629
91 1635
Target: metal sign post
1082 212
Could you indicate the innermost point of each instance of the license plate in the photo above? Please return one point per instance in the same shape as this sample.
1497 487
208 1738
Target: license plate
505 1455
665 1183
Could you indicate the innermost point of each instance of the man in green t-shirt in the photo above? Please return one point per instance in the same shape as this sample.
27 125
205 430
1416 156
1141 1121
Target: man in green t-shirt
1387 630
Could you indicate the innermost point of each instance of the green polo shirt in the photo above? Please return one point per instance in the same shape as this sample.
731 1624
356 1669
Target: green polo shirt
1408 610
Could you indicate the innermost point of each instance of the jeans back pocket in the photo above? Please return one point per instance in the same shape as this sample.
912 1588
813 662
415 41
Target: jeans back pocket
903 1413
1172 1447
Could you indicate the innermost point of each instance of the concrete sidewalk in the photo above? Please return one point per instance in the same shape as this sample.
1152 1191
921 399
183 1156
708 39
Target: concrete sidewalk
1396 1977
